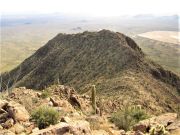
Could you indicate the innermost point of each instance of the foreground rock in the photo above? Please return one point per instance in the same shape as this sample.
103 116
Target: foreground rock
164 119
75 128
6 132
17 128
99 132
3 103
17 112
13 110
75 115
174 126
11 115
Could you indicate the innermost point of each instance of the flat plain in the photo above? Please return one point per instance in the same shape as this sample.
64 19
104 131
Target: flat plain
164 36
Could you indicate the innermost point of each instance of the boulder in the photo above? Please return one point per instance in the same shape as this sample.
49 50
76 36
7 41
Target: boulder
95 119
1 127
22 133
57 129
39 94
3 116
74 99
50 103
100 132
164 119
75 114
79 127
35 130
17 128
122 132
175 132
54 102
30 128
6 132
142 126
116 131
65 119
134 133
8 124
17 111
174 126
3 103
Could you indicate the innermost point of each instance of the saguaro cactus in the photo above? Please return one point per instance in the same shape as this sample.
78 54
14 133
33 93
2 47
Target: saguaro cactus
93 97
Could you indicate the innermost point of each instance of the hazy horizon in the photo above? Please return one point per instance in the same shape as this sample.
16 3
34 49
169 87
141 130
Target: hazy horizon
94 8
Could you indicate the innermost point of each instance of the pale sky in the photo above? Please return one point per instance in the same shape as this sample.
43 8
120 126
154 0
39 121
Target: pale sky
91 7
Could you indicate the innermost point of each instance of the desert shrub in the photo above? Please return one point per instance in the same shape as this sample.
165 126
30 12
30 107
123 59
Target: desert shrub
35 100
45 116
138 113
128 116
45 94
158 130
27 103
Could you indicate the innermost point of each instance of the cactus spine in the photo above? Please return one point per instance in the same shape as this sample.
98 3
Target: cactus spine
93 97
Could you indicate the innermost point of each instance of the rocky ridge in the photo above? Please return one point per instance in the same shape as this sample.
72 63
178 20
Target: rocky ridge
110 60
76 117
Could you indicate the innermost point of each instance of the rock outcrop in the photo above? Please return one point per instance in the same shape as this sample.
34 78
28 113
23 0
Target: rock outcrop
168 120
75 119
17 112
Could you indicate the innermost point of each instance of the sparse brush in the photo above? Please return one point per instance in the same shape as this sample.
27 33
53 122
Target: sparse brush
45 94
35 100
128 117
158 130
45 116
93 98
138 113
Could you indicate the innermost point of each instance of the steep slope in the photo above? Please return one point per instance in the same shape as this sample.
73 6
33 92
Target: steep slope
111 61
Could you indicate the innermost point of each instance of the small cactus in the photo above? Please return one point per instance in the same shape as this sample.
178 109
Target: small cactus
158 130
93 97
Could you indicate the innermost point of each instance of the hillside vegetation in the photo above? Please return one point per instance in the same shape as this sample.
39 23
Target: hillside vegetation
111 61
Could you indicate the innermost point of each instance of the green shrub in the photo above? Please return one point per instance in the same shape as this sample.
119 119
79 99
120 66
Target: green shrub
45 94
35 100
138 113
45 116
158 130
127 117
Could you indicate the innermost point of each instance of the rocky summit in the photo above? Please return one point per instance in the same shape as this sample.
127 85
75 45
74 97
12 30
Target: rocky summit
111 61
